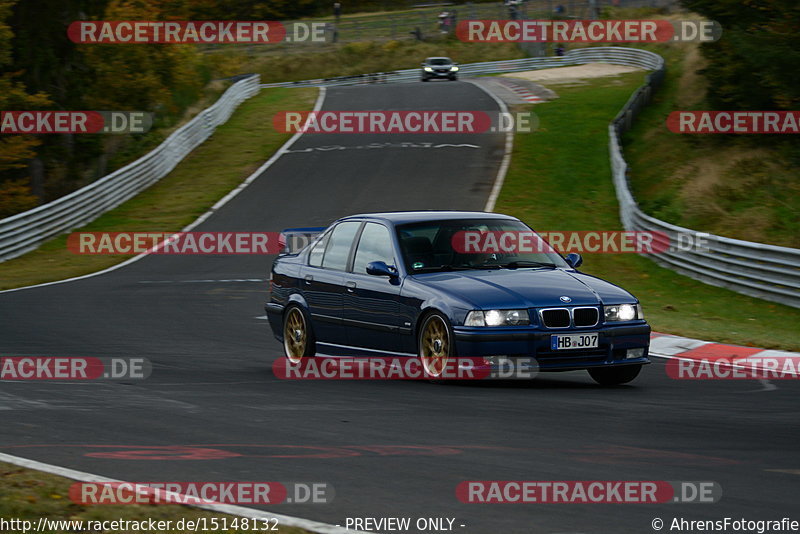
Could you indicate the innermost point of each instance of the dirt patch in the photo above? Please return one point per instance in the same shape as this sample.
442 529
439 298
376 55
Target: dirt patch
573 75
692 86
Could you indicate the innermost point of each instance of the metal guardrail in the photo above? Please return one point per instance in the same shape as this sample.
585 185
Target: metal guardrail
580 56
764 271
25 231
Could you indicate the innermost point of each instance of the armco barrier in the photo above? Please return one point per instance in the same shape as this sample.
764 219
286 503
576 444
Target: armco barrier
611 54
27 230
768 272
764 271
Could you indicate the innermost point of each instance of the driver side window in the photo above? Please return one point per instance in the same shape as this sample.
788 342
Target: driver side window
375 244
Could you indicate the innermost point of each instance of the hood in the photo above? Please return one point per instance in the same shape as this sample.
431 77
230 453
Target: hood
524 288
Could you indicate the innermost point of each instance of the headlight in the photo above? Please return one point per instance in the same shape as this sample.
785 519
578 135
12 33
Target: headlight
623 312
497 318
428 69
454 68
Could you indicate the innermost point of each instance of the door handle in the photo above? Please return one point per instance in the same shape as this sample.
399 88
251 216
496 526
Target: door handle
351 286
309 279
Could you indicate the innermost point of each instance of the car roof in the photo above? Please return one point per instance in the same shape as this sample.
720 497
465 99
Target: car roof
438 57
405 217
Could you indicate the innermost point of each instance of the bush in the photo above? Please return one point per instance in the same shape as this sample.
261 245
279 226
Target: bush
15 197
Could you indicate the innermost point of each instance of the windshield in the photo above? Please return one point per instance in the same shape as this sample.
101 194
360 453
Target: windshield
439 61
463 244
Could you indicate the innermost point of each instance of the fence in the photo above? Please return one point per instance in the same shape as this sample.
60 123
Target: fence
580 56
765 271
27 230
423 22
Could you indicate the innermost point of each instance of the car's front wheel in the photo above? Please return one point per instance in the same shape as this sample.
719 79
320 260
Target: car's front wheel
298 338
434 345
614 376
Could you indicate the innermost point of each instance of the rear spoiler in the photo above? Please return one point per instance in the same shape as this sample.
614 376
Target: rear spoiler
293 240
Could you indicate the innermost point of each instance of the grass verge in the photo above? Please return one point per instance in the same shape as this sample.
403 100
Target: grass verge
560 179
740 186
235 150
28 495
363 57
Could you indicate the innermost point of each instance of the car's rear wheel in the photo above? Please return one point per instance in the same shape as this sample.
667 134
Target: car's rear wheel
435 345
298 338
614 376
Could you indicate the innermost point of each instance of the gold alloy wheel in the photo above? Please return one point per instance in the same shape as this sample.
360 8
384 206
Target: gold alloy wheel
295 335
434 346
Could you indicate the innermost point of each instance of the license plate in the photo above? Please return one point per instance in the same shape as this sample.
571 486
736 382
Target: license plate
588 340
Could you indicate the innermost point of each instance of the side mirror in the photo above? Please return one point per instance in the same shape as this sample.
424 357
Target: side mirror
379 268
574 260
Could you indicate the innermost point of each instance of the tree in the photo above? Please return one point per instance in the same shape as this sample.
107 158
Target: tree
15 150
756 63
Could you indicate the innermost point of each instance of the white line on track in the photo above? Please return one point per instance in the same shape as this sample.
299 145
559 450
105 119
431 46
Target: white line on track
322 528
224 200
241 511
501 172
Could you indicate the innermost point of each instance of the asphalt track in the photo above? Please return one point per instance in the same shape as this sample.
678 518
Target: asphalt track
212 410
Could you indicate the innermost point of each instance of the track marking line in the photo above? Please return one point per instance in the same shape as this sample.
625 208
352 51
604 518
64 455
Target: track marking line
241 511
501 172
313 526
219 204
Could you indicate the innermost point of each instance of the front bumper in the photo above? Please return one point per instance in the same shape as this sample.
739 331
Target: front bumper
435 74
613 344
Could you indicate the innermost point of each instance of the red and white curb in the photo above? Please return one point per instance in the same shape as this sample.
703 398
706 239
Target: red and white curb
520 91
683 348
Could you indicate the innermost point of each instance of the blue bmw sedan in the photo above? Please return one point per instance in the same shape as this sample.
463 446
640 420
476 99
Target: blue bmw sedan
408 284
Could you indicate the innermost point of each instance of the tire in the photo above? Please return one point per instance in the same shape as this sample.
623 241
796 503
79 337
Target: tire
424 79
435 345
453 78
614 376
298 337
